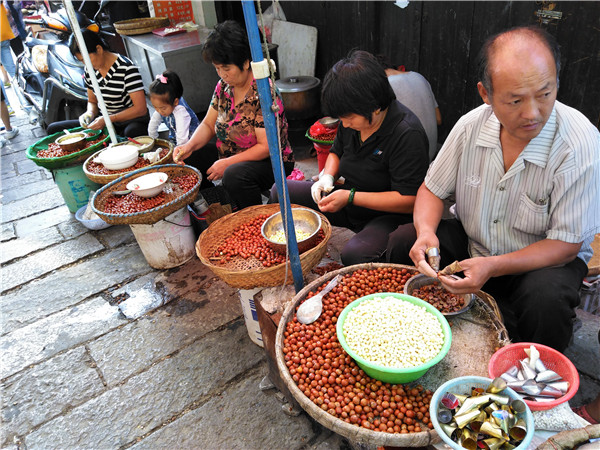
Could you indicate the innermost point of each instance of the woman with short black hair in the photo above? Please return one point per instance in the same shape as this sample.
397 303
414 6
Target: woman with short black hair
380 150
121 87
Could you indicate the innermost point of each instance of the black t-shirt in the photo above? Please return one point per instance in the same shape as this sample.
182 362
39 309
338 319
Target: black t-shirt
394 158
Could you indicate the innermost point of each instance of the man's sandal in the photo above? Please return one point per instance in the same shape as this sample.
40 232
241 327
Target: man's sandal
581 411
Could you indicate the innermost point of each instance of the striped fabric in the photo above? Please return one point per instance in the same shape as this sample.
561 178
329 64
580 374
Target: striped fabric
552 190
122 79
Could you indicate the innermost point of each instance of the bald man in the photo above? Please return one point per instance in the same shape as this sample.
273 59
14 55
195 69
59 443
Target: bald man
525 170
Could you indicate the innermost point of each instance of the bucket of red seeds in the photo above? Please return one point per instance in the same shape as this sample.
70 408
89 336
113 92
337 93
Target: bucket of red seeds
117 209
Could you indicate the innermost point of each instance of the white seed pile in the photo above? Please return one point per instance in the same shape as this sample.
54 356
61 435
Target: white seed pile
279 236
393 333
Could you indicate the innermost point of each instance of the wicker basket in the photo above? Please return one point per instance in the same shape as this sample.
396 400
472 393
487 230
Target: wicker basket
67 160
105 179
250 273
140 26
352 432
172 203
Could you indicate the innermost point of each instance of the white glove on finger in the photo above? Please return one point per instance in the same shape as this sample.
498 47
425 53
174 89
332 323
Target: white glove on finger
85 119
324 185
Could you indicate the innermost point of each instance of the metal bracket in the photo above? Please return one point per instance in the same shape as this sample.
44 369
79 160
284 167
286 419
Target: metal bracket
261 69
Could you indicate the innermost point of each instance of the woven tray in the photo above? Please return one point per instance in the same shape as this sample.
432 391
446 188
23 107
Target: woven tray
153 215
250 273
68 160
352 432
105 179
140 26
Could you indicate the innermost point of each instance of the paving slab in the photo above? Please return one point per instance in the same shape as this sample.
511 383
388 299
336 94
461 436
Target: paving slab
116 235
229 420
26 166
15 181
45 261
8 232
27 190
41 393
69 286
43 220
73 228
196 305
32 205
29 244
147 401
49 336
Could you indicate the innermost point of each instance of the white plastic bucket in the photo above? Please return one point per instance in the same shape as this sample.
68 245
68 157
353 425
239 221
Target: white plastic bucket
169 242
250 315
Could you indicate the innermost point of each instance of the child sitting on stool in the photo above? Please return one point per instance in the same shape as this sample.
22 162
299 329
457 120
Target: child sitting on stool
171 109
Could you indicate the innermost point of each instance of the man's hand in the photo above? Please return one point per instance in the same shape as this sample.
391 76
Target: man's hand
418 255
97 124
477 271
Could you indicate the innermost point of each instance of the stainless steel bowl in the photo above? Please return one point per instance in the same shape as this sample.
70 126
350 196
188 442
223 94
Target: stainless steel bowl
329 122
305 220
421 280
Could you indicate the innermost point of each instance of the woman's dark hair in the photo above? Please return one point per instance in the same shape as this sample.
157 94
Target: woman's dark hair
356 84
227 44
91 39
490 46
173 85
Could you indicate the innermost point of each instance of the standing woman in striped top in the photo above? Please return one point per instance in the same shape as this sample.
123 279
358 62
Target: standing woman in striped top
525 170
122 90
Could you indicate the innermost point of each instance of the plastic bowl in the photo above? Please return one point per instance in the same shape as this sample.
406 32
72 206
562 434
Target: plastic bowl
305 220
390 374
71 142
508 356
119 156
149 185
463 385
91 224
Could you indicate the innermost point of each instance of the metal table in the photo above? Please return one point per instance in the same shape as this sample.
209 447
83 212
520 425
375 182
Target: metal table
181 53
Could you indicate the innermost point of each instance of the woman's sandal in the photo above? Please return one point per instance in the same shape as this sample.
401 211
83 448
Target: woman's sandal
581 411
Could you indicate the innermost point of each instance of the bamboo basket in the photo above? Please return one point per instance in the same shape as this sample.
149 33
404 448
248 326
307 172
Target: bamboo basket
140 26
352 432
172 203
105 179
250 273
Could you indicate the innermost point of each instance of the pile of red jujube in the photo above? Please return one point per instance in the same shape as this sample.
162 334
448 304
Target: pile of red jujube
54 150
132 203
246 241
99 169
330 378
438 297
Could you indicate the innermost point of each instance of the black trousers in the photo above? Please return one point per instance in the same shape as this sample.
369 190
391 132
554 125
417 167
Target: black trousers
370 242
538 306
244 181
130 128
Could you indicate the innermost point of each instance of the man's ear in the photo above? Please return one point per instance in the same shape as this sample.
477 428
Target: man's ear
484 93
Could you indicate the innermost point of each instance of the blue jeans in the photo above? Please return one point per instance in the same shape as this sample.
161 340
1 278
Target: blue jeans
7 59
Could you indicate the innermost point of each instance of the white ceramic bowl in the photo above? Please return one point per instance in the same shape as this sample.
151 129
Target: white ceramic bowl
119 156
149 185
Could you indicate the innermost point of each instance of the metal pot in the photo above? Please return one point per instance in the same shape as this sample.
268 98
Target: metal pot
300 96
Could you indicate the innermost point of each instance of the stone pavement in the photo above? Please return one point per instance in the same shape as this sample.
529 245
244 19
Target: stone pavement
76 373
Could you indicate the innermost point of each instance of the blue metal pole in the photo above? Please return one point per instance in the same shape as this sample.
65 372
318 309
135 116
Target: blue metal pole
266 101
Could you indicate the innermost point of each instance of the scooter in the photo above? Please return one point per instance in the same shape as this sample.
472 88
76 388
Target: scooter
48 76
